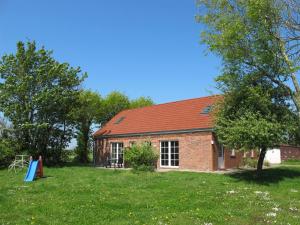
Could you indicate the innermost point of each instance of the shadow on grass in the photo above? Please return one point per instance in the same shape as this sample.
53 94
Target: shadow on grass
268 176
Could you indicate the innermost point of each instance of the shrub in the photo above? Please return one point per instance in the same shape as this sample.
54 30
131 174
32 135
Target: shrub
267 163
141 157
252 163
248 162
6 153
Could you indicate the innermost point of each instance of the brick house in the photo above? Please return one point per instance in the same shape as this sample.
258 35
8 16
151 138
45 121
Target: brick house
181 132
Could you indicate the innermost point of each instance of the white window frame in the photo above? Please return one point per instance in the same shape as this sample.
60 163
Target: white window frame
117 150
169 154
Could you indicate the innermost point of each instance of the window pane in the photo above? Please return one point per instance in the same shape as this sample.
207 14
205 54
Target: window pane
164 163
113 152
176 163
164 153
174 153
120 153
116 152
169 150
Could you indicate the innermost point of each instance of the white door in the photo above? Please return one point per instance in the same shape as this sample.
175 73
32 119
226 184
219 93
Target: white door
221 157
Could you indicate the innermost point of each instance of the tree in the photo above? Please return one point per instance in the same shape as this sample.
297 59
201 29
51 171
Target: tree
37 94
259 104
114 103
288 37
141 102
256 35
249 120
7 146
87 114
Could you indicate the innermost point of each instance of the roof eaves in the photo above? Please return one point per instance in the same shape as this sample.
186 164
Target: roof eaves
156 133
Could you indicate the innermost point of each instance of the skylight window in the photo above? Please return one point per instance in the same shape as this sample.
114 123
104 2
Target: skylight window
207 110
120 120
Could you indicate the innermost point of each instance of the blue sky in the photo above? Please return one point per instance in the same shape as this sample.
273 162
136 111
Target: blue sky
141 48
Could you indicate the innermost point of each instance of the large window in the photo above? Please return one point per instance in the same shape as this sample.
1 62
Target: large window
117 152
169 153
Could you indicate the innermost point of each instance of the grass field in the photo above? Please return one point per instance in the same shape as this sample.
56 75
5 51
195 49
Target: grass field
291 162
84 195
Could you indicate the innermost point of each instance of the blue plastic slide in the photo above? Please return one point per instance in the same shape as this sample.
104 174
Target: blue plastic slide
31 171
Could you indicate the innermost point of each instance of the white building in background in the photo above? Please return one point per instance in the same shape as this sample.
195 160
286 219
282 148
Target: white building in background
273 156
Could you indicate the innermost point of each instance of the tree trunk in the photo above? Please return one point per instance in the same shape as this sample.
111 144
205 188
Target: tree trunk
260 162
296 94
85 147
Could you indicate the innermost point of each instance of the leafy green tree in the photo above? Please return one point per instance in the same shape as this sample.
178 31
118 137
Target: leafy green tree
141 102
248 119
37 94
87 114
7 145
255 36
259 105
114 103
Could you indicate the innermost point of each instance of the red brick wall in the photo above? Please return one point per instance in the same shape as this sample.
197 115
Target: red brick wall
196 151
233 161
230 161
289 152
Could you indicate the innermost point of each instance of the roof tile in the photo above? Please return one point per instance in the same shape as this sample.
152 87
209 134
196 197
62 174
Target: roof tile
179 115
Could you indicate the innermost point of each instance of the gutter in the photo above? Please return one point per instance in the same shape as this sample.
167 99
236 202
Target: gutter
155 133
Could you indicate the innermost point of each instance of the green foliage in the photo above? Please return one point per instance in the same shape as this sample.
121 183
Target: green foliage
267 164
259 105
141 157
87 113
247 35
249 162
250 131
38 94
8 145
252 118
291 162
252 163
141 102
114 103
249 118
6 153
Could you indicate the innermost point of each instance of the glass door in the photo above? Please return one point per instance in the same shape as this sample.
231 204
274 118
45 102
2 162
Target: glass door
117 153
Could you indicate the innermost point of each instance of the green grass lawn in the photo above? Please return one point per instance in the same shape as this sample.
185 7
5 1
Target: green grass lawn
291 162
84 195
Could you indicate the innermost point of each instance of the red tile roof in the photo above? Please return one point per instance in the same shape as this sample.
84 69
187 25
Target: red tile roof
173 116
